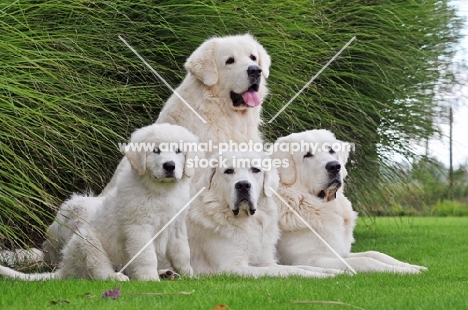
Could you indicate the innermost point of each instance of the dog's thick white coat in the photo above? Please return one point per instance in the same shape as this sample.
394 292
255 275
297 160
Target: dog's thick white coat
301 185
145 197
223 243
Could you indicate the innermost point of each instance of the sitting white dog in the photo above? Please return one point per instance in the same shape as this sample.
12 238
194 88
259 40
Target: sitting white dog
233 224
313 186
148 193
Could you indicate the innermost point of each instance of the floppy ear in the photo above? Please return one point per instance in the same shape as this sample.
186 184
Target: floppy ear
189 169
209 175
343 155
202 63
264 60
287 175
137 160
270 180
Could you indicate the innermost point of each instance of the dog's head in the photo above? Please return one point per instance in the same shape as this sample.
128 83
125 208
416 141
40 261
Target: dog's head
316 162
236 67
240 181
159 151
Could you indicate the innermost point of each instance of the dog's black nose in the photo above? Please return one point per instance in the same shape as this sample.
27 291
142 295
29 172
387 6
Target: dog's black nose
243 186
169 166
254 71
333 166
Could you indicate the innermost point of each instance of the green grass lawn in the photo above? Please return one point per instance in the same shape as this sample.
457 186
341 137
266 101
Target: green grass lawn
437 243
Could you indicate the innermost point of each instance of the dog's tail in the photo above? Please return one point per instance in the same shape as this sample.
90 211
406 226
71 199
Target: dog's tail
10 273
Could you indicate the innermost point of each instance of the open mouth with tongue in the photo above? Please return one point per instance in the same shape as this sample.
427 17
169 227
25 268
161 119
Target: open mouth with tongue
329 193
249 98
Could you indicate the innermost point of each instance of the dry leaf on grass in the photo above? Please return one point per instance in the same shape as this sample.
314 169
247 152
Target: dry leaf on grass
114 294
56 302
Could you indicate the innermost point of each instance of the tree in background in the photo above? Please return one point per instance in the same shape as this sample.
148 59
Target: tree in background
70 90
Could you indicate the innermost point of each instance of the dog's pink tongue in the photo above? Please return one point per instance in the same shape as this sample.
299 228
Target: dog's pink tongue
251 98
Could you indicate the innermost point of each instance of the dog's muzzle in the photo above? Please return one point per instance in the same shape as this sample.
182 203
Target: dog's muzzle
329 193
333 167
243 200
169 167
250 97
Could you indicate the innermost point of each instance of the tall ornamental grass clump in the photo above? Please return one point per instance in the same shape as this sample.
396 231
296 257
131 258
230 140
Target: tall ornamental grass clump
70 90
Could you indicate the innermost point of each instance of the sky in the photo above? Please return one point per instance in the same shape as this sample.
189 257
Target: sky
440 147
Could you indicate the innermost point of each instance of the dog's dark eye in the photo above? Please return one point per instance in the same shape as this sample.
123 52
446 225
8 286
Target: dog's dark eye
309 154
331 151
177 151
255 170
229 171
157 150
253 57
230 61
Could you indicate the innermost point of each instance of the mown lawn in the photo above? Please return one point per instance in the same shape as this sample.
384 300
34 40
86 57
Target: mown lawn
438 243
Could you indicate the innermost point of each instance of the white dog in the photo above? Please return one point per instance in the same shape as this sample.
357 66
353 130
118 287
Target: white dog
146 196
312 186
232 225
225 85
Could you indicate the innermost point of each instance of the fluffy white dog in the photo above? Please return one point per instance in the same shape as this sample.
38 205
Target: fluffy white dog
146 196
313 186
232 225
225 85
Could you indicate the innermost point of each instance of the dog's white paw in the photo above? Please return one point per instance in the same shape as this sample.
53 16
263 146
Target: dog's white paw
334 271
118 277
321 270
320 275
168 274
420 268
405 270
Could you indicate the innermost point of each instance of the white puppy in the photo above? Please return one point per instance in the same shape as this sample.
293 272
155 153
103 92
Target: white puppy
312 186
146 196
232 225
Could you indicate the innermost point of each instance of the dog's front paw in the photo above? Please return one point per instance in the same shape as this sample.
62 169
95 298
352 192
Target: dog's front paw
420 268
168 274
335 271
118 277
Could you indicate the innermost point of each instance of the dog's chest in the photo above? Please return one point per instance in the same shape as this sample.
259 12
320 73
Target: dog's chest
253 238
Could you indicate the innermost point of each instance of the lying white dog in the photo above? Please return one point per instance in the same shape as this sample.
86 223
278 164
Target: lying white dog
146 196
232 225
312 186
